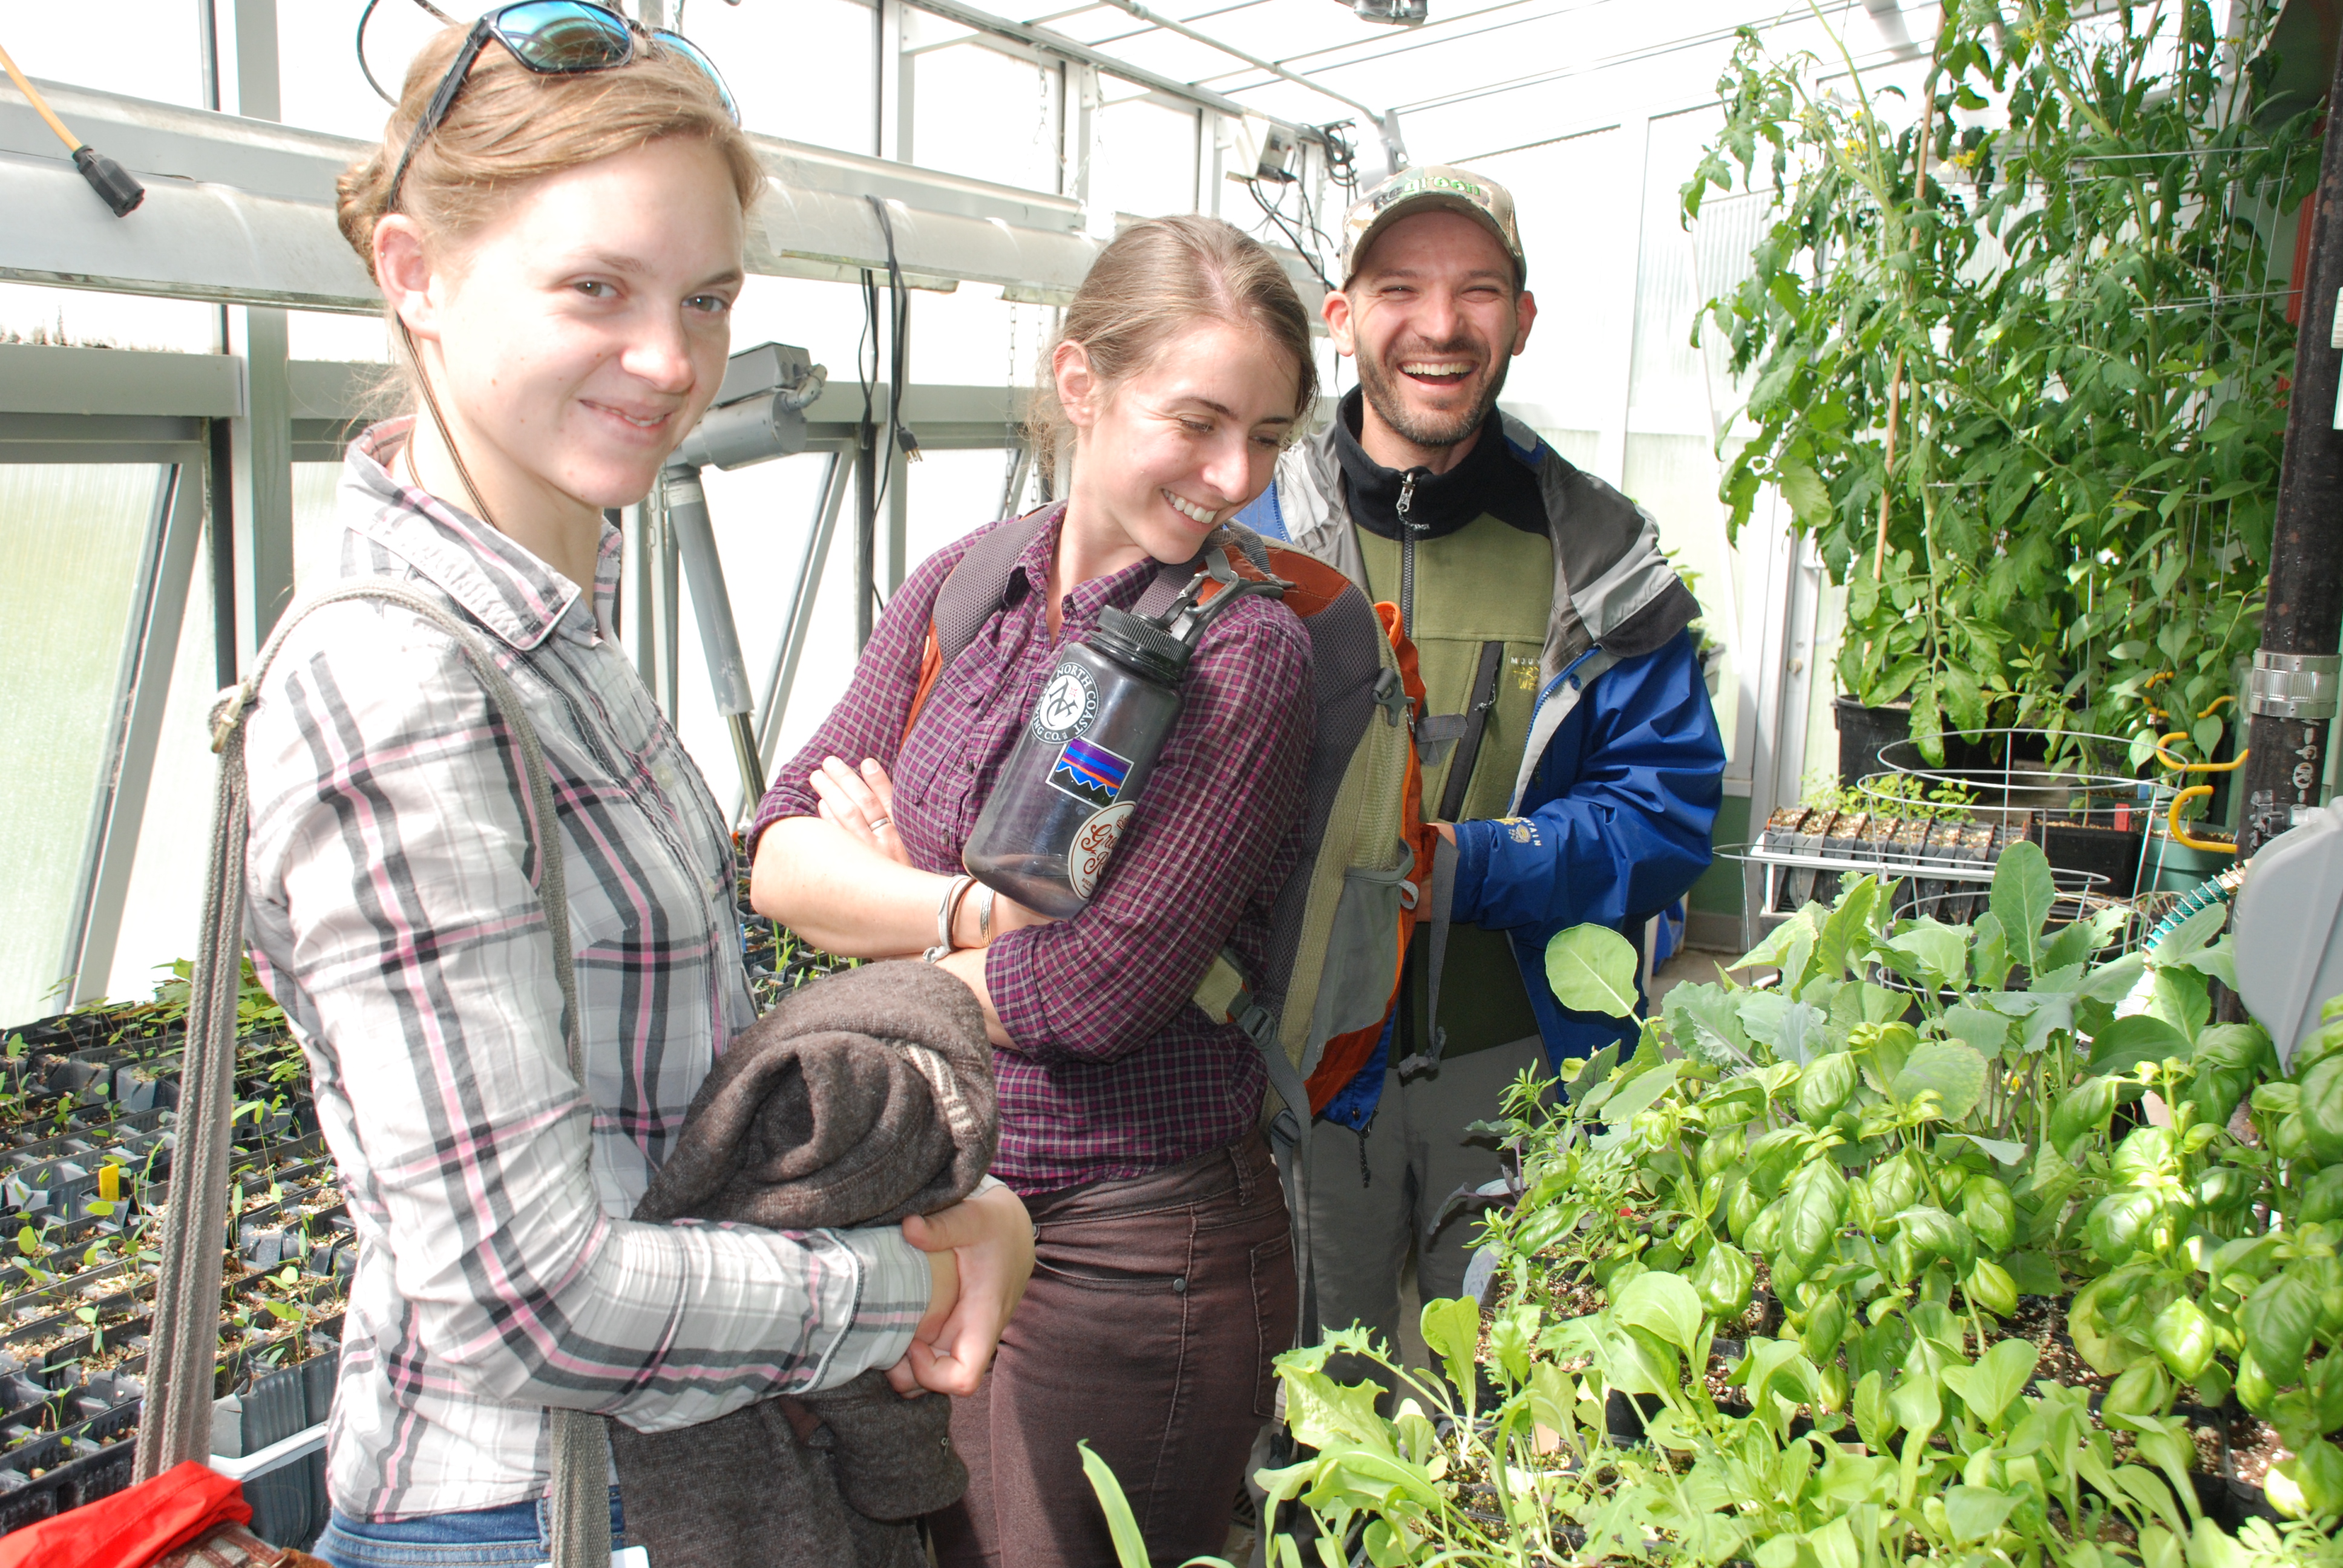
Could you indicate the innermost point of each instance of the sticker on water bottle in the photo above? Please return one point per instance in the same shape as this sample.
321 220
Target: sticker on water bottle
1068 704
1086 856
1090 772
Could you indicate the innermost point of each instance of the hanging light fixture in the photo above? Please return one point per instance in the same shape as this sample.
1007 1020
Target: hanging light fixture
1396 13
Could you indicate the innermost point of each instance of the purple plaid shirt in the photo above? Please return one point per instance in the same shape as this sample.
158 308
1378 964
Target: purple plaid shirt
1114 1072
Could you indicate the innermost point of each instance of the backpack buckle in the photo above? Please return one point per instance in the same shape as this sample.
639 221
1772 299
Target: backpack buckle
1391 695
1253 1018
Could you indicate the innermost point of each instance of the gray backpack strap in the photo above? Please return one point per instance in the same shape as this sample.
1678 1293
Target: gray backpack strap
1443 896
176 1424
971 591
1226 997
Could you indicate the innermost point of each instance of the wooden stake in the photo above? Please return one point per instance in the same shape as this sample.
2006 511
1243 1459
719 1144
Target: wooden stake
1887 476
40 105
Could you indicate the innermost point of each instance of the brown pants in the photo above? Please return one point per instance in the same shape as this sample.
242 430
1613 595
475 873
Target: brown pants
1156 1306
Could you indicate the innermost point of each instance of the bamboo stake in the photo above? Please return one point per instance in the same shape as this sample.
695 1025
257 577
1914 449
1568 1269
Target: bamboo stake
1895 378
1887 476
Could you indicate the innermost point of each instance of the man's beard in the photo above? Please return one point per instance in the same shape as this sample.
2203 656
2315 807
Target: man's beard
1434 432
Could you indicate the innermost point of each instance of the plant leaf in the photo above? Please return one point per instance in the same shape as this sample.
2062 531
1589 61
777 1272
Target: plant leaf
1999 1376
2022 894
1593 970
1983 1031
2129 1041
1130 1545
1955 1070
1975 1512
1664 1303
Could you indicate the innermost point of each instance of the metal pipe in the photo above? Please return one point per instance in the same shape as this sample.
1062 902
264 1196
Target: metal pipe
2292 699
797 624
1374 116
719 639
1082 54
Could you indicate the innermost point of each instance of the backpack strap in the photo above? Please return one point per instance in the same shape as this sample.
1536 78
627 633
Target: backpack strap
1475 722
970 596
1226 997
1435 953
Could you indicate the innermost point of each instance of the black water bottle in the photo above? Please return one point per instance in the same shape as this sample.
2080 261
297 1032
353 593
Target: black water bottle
1069 789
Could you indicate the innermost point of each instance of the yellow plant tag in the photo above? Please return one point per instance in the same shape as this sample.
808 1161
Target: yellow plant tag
109 1183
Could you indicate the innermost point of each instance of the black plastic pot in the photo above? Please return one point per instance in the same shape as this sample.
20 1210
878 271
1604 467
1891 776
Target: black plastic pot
2103 843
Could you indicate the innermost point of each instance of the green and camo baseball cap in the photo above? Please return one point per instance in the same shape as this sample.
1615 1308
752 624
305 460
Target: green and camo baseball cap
1427 188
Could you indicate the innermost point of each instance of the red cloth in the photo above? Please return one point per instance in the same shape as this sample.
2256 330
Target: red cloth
134 1527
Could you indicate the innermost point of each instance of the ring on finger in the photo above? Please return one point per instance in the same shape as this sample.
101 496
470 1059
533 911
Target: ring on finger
879 822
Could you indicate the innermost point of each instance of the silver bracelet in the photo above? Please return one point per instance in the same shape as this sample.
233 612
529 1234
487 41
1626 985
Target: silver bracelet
984 916
954 891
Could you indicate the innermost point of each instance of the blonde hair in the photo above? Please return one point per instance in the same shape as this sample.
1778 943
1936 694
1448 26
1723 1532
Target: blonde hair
1153 282
509 126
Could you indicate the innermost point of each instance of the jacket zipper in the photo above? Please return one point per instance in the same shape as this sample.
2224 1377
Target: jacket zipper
1408 529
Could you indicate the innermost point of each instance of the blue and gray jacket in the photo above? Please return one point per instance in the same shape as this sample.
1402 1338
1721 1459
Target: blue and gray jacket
1617 787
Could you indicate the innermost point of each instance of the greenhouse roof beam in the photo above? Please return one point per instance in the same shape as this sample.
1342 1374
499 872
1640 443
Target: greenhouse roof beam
1058 43
242 211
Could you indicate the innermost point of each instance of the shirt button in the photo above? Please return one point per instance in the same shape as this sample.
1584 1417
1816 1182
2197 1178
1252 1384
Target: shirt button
663 774
1180 1285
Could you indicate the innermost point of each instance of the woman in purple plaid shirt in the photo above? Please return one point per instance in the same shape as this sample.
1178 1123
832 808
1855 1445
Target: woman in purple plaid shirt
1163 1282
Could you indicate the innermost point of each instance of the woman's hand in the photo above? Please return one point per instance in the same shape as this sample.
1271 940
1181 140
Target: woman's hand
944 1295
990 1239
863 803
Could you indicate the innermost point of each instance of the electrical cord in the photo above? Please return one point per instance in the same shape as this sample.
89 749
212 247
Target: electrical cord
1308 252
899 349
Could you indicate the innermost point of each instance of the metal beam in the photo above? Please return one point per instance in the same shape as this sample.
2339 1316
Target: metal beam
1067 49
39 378
1374 116
242 211
154 648
798 625
260 477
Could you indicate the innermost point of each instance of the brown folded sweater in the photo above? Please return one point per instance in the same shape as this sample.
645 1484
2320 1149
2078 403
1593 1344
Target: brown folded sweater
860 1100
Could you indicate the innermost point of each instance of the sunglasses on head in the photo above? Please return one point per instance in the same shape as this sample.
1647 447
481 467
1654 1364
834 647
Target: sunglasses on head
552 38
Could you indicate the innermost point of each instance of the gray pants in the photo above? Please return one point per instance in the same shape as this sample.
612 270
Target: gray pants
1415 1153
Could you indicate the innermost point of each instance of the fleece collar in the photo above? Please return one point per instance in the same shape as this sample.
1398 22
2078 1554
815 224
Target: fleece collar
1489 480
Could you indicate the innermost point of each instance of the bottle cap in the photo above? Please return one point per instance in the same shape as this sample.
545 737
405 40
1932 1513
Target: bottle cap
1140 646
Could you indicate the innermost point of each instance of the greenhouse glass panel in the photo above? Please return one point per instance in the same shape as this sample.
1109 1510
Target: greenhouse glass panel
161 915
144 48
978 112
1145 163
1568 195
1674 478
85 318
801 71
73 536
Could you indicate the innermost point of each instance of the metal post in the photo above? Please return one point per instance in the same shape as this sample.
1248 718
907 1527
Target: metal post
260 476
665 581
150 654
719 637
260 443
866 520
2291 692
797 626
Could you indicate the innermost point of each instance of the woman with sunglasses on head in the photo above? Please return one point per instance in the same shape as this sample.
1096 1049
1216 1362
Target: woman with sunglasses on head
556 218
1164 1279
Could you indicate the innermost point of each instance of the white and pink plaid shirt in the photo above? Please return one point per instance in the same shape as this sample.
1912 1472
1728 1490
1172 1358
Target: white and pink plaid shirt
393 914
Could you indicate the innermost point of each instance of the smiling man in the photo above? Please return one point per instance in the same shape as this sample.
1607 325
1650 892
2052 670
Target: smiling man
1570 754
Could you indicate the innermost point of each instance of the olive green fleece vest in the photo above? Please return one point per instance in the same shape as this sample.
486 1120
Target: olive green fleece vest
1486 582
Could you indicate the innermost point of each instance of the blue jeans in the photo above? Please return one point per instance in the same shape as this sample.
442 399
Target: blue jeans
516 1535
